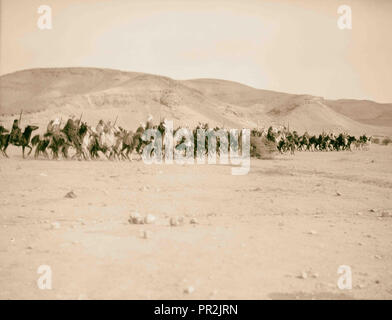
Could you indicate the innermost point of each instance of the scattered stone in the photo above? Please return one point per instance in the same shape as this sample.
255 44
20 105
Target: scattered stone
360 286
377 257
313 232
386 214
189 290
12 239
145 234
193 221
176 221
136 218
303 275
377 281
29 248
338 194
43 174
149 219
55 225
70 195
213 293
372 210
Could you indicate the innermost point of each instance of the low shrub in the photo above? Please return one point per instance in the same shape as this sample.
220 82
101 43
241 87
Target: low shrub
262 148
386 141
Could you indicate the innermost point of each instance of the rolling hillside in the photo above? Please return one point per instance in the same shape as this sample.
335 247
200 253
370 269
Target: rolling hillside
104 93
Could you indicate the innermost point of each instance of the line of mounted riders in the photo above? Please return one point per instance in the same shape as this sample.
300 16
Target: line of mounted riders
290 141
117 143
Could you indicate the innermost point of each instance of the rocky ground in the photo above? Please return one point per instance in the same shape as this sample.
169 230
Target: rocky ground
282 231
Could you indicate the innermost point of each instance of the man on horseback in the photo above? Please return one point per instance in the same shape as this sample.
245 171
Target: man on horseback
71 131
149 123
16 133
100 127
53 127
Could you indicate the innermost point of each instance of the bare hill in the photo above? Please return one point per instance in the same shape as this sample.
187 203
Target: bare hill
104 93
364 111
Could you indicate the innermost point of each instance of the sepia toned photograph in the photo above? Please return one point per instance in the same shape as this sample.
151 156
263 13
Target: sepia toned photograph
211 150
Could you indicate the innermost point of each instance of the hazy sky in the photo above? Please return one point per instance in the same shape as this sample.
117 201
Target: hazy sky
291 46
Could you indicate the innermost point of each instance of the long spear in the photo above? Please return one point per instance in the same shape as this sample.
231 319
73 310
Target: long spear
80 119
115 121
20 116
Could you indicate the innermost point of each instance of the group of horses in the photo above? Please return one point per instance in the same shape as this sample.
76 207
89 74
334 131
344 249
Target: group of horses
118 143
291 141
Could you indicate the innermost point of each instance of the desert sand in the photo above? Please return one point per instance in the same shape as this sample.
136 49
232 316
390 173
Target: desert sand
279 232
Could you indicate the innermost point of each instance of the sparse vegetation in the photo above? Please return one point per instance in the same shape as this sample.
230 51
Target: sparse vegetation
262 148
386 141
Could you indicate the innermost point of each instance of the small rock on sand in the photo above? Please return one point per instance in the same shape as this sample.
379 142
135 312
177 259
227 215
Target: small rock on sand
149 219
176 221
189 290
193 221
145 234
136 218
55 225
386 214
70 195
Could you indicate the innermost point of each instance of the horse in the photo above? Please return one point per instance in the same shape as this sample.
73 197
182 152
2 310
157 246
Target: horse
23 141
107 142
55 140
3 138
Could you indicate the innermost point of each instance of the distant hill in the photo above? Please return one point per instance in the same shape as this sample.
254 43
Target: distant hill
364 111
105 93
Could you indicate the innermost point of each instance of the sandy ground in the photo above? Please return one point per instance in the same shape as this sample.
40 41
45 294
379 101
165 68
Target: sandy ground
255 236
